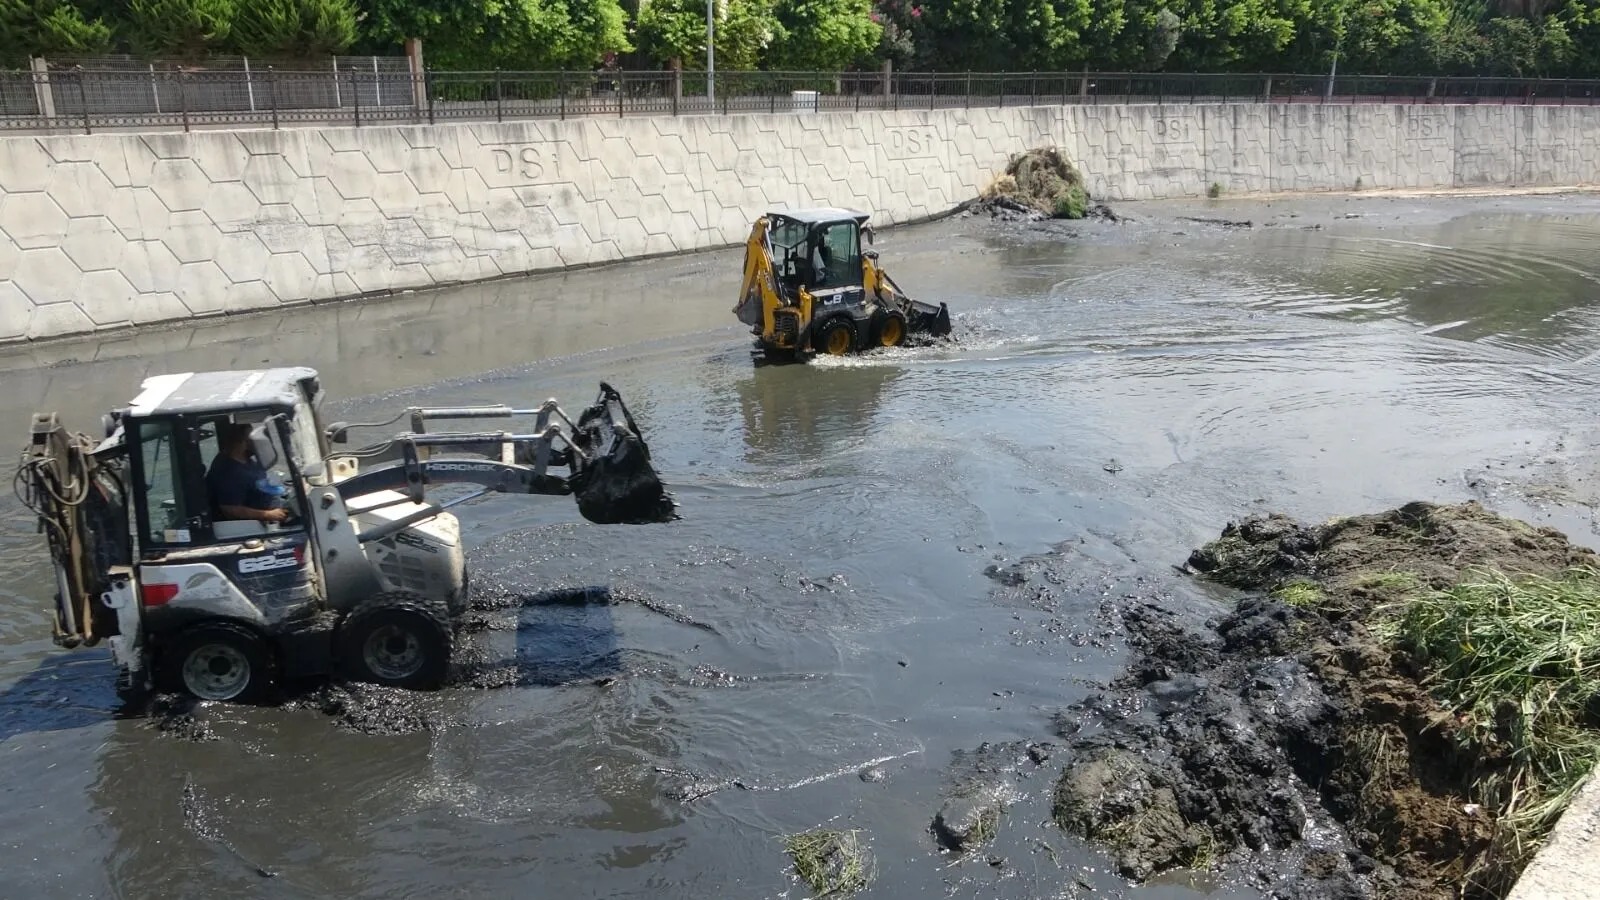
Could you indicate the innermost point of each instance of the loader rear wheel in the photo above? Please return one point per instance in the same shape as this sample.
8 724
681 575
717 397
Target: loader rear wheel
837 337
217 661
889 329
397 639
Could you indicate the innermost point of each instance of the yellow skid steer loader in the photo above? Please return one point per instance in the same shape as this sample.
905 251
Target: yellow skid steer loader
809 287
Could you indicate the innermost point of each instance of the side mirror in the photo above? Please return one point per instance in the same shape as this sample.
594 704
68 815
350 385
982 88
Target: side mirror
871 234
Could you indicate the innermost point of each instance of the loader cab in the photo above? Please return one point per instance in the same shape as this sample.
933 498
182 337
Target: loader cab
173 432
820 250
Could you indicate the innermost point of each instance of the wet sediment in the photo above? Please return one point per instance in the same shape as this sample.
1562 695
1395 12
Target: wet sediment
1288 739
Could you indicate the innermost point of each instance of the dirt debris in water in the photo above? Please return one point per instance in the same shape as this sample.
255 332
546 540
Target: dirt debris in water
1285 738
175 716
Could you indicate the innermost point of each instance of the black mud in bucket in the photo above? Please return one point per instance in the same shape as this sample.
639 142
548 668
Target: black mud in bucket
926 319
615 484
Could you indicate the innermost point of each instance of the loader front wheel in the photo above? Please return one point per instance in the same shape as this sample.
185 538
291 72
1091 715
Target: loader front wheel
837 337
218 661
397 639
889 330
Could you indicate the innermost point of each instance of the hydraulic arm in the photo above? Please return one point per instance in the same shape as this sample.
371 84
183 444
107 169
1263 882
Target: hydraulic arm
607 459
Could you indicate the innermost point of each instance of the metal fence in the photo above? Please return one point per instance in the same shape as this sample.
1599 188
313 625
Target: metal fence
364 92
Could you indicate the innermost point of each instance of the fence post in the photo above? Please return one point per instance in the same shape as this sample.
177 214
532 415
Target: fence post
427 88
155 89
249 84
968 103
1267 96
1161 89
377 84
677 85
338 101
499 98
1033 88
355 91
859 91
83 97
45 96
933 89
183 95
561 89
272 90
420 93
622 93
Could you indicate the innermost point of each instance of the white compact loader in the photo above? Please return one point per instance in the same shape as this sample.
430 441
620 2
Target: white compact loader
363 577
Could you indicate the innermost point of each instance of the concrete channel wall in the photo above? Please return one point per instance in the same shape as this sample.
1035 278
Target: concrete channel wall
109 230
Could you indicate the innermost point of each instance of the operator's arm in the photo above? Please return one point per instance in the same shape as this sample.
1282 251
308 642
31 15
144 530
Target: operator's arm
231 490
259 515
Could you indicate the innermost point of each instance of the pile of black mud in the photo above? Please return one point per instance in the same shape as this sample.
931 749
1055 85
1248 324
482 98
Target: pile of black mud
1284 737
1037 185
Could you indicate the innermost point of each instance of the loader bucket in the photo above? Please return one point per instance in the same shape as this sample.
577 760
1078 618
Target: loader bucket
612 479
928 319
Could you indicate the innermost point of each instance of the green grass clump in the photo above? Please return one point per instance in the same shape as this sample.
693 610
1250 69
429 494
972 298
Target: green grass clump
831 862
1215 190
1072 202
1518 661
1300 594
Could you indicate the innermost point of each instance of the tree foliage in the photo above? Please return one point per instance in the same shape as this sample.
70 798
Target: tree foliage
823 35
294 28
1530 38
184 29
48 28
676 29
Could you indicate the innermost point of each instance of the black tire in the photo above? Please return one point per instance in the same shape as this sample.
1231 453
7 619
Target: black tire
397 639
218 661
889 328
836 337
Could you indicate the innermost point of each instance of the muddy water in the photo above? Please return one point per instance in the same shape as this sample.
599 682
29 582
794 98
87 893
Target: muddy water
1120 391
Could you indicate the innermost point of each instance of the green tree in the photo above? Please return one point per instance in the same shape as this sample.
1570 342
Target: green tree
1396 37
187 29
593 29
1581 20
823 35
1138 35
1527 48
295 28
475 36
1221 35
992 35
48 28
676 29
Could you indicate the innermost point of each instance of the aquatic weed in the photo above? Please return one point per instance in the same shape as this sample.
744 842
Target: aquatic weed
1518 662
831 862
1300 594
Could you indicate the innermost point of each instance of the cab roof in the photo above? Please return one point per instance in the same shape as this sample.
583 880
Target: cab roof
206 392
821 214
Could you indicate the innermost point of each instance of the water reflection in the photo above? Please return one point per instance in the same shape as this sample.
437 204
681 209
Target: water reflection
804 413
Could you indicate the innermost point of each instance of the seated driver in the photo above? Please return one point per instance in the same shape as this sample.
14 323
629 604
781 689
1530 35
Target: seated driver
240 487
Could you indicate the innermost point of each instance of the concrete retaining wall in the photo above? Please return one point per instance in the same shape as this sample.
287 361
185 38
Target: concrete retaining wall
109 230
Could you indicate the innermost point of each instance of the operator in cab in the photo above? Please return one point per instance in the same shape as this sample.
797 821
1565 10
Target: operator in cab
240 487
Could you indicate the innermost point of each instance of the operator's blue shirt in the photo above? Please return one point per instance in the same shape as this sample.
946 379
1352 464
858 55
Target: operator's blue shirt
235 483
